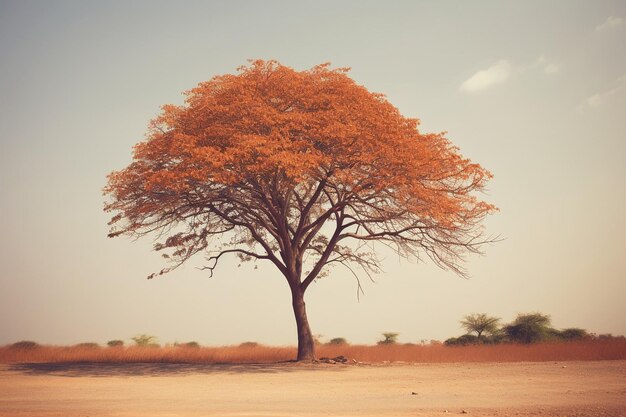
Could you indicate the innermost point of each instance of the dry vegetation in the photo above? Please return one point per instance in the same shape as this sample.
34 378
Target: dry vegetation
613 349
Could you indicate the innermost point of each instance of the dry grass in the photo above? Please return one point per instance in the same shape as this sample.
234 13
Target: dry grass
565 351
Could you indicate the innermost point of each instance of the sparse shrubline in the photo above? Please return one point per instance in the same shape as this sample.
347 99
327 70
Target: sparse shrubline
301 169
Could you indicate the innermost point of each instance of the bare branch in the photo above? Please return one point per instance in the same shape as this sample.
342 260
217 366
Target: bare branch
215 259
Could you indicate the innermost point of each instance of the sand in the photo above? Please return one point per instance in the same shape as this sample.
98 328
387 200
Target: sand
160 390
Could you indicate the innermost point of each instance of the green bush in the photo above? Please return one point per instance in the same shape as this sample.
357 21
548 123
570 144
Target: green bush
115 343
249 345
88 345
609 336
145 340
496 338
530 328
466 339
338 341
573 333
25 345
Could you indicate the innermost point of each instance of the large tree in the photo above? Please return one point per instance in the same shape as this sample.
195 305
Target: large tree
303 169
529 328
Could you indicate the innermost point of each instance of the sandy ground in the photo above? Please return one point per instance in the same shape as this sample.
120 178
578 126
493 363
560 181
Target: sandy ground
160 390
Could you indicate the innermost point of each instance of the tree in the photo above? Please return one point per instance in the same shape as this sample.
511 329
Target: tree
144 340
529 328
389 339
304 170
479 324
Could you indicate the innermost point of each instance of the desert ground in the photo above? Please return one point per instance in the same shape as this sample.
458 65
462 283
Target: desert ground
596 388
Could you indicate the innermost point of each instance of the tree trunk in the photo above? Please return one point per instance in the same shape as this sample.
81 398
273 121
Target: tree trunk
306 345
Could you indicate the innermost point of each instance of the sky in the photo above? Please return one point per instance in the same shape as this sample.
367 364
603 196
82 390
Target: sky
534 91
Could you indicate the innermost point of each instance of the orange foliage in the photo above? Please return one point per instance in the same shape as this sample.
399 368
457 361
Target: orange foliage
252 150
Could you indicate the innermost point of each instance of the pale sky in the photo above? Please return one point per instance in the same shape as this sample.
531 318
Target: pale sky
534 91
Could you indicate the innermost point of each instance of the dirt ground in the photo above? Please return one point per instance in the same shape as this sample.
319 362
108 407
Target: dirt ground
167 390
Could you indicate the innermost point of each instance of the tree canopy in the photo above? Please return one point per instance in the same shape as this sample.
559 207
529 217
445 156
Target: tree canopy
480 324
529 328
304 169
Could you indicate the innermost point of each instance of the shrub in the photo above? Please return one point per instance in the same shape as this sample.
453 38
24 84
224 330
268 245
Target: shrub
25 345
451 341
609 336
249 344
191 345
466 339
145 340
115 343
573 333
338 341
88 345
495 339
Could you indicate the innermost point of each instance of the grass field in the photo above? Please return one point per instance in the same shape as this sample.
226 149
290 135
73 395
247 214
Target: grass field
592 350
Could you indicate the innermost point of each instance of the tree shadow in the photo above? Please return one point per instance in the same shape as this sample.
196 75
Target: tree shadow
108 369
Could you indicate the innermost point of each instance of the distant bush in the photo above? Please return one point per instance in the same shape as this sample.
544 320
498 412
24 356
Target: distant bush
481 324
452 341
190 345
249 344
573 333
495 339
145 340
389 339
88 345
115 343
466 339
526 328
338 341
25 345
530 328
609 336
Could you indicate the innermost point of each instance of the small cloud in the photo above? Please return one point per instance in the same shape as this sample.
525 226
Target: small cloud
548 67
600 99
610 23
487 78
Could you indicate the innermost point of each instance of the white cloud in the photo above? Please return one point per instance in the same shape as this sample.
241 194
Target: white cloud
600 99
548 67
610 23
487 78
503 70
